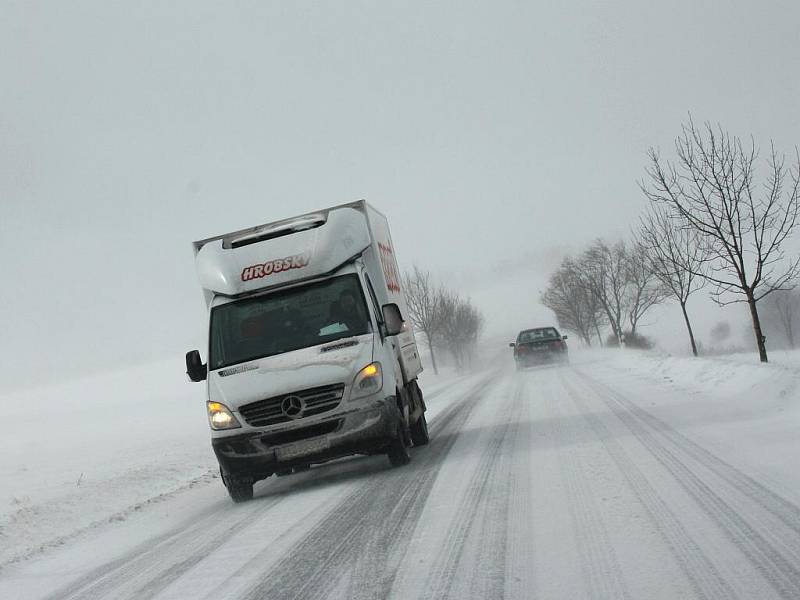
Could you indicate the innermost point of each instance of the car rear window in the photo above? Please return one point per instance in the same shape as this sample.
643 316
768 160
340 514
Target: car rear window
535 335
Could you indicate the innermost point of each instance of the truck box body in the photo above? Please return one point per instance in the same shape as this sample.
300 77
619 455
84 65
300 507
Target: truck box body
296 315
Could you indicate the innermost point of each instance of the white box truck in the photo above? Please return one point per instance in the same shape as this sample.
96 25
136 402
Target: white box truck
309 356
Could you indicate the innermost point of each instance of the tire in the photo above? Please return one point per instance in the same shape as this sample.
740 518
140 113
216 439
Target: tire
419 431
397 451
239 491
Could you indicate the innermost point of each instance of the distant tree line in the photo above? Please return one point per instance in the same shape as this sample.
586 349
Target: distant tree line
605 287
713 219
449 322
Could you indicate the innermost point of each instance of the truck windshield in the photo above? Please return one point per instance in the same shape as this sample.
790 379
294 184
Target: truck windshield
287 320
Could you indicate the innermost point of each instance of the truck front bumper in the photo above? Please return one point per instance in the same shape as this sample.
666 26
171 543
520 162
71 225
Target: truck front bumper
257 455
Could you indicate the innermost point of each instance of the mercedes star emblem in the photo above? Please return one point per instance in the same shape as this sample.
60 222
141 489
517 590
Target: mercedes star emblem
292 407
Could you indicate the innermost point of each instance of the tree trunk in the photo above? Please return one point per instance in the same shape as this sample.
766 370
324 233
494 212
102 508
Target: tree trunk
433 356
689 327
618 333
760 339
599 337
615 329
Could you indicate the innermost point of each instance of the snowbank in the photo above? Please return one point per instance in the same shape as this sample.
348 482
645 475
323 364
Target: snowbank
736 375
732 405
89 451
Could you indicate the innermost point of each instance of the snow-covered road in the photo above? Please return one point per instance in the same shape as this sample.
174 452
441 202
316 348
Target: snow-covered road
559 482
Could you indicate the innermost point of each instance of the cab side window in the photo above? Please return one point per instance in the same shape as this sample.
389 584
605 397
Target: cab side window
374 300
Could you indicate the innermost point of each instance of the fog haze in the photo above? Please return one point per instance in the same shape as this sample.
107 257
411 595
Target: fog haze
495 136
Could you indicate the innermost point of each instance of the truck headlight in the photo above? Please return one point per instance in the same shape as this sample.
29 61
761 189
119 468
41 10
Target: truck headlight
368 381
219 417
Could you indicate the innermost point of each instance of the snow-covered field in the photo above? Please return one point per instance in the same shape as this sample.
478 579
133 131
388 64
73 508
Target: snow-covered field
624 475
90 451
93 451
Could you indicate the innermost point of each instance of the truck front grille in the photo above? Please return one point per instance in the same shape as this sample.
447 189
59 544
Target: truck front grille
273 410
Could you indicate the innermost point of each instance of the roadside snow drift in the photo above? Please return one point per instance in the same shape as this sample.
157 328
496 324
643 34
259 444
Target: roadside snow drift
85 452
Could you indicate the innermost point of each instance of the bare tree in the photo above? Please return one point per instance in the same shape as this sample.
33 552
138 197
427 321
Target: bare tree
620 284
604 273
460 327
597 315
674 255
712 187
470 326
574 306
423 298
645 288
448 321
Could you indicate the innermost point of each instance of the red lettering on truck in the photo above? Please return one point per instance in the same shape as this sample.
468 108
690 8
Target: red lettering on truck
389 265
298 261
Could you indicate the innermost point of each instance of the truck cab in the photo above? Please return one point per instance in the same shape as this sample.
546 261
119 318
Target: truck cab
309 356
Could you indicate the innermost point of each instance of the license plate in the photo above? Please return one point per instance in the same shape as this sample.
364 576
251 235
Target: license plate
298 449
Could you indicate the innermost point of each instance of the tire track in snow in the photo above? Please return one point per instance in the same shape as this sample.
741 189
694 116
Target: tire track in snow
780 571
784 510
521 550
370 517
147 560
185 548
601 571
489 575
698 568
481 513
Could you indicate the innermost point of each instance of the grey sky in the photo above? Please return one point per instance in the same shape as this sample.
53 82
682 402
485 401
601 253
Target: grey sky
494 135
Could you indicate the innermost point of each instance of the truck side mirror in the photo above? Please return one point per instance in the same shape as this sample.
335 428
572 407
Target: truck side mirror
512 345
195 369
566 337
392 319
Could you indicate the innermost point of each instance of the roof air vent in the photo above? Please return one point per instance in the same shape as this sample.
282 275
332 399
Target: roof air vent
261 234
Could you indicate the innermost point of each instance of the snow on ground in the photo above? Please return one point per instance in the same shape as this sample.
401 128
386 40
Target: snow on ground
88 451
734 404
91 451
729 375
624 475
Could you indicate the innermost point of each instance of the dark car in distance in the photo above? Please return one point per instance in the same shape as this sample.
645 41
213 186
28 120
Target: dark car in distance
539 345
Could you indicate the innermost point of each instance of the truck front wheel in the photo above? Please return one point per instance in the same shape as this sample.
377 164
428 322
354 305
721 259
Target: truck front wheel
419 431
397 450
240 490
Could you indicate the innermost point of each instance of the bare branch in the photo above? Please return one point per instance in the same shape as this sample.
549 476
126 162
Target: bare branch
711 189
